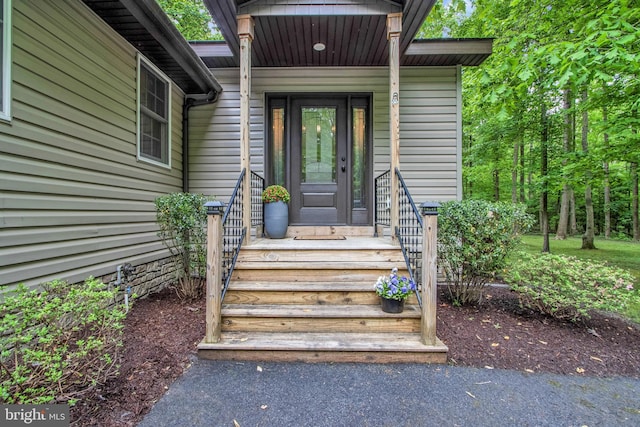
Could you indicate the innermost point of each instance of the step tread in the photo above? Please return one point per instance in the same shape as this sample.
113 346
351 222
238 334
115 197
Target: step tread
295 255
363 286
318 265
325 341
316 311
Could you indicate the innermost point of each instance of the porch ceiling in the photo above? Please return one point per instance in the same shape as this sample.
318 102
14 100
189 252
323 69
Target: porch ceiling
353 31
143 24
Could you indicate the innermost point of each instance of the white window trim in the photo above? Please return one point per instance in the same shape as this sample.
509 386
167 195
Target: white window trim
5 102
149 64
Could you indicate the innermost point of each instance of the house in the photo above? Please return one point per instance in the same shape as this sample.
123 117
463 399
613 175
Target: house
95 97
105 107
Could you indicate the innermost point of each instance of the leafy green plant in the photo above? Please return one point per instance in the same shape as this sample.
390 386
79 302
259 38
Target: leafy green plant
474 239
58 344
182 218
568 288
275 193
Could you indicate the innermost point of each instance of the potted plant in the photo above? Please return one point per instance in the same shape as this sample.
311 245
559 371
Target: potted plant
393 291
276 211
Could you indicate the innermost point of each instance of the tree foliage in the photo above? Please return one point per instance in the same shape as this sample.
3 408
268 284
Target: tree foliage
543 50
191 18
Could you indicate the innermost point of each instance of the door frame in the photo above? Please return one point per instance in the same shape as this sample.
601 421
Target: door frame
278 100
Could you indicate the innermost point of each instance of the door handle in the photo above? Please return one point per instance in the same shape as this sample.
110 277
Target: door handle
344 168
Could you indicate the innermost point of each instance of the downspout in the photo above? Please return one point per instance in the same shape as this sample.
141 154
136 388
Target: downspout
191 101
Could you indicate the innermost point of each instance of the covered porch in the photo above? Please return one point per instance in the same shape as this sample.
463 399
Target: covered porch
309 298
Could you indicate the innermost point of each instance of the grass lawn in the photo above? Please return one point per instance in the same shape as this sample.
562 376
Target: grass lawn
619 253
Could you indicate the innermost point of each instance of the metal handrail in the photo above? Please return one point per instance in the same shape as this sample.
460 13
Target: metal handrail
383 200
234 232
257 207
409 233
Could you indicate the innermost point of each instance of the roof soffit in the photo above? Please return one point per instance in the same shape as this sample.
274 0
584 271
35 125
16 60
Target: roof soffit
143 24
353 31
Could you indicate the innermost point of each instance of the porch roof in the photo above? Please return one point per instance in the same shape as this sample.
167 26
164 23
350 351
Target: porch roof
353 32
145 25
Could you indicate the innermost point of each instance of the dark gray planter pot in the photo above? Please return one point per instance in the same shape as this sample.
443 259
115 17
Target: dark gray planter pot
276 219
392 305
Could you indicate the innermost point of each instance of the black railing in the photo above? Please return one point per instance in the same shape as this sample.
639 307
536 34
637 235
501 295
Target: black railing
234 232
257 207
383 200
409 233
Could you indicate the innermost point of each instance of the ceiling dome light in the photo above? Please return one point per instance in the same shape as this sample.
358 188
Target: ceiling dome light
319 47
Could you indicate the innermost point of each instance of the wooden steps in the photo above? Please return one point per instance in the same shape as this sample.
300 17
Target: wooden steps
324 347
313 300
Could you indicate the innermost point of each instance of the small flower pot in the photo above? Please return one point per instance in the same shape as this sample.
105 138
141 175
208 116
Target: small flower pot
392 305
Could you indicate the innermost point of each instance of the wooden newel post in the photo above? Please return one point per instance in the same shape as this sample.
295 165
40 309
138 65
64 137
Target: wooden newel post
394 30
245 34
429 271
214 271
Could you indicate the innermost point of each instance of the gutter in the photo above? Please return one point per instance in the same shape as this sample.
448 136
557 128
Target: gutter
191 101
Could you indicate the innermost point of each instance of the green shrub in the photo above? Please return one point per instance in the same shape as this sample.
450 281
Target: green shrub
567 287
59 343
474 239
182 218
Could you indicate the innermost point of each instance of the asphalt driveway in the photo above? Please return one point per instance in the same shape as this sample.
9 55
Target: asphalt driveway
296 394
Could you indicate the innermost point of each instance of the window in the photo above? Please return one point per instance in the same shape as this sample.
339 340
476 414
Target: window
277 146
5 59
154 114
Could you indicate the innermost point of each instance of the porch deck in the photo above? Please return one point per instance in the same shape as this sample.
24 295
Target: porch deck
312 300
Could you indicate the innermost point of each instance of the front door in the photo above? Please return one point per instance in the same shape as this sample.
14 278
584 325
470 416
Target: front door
319 161
327 170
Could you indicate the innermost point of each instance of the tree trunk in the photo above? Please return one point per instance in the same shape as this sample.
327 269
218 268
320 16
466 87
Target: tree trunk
522 197
589 233
514 173
607 186
634 188
634 201
563 219
468 185
573 224
496 185
530 193
544 198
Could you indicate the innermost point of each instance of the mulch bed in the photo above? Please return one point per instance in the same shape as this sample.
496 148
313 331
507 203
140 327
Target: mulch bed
161 335
500 334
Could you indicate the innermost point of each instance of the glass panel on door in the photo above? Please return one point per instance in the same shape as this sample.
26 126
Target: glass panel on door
359 156
318 145
277 148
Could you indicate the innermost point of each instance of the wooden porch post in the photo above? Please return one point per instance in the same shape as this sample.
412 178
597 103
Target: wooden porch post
429 272
245 32
394 28
214 272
